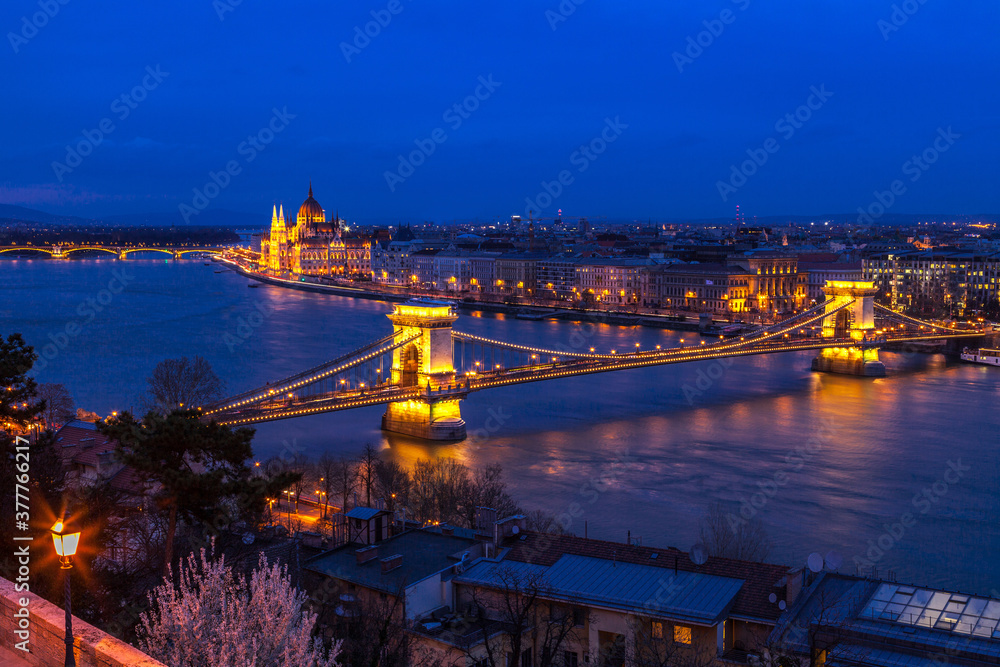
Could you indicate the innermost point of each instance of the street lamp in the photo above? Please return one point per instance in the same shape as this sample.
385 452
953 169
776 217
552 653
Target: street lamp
65 544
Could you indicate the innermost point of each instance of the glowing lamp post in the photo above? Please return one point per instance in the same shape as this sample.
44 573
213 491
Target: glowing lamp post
65 544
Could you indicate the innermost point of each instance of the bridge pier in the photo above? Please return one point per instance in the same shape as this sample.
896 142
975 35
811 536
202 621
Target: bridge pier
426 365
857 322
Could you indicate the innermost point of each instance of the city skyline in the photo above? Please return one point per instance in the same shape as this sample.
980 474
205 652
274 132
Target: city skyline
607 112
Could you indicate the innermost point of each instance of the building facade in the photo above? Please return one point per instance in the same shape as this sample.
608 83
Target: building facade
919 281
611 281
710 288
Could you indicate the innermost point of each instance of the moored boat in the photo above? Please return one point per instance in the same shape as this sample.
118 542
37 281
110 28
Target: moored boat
982 356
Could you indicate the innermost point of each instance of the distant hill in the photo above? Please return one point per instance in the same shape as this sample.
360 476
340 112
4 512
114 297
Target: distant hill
213 217
208 218
11 212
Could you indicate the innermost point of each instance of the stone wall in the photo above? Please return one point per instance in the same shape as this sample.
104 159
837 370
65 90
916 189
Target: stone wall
93 647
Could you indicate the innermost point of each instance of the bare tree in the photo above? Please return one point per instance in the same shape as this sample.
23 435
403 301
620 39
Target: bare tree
515 604
729 535
367 463
487 488
180 383
438 489
345 479
325 473
654 645
299 464
541 521
59 407
392 483
369 628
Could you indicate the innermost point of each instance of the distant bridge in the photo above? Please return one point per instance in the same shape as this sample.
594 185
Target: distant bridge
63 251
423 369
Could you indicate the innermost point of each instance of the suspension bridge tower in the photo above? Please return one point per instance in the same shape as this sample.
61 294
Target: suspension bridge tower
855 321
426 365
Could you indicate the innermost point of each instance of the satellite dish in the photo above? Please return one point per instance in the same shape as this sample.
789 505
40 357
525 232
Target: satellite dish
515 530
772 598
782 605
248 538
833 560
698 554
815 562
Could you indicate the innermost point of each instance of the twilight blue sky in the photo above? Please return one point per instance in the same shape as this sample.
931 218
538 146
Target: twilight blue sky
685 129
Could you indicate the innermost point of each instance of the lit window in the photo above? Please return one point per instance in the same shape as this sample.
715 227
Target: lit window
657 630
682 634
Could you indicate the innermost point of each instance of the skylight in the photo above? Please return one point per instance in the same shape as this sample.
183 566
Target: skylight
939 610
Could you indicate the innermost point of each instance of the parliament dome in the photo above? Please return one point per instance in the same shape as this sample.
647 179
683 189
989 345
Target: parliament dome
311 211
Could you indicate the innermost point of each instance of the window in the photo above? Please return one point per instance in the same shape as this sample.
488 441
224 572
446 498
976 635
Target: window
571 659
526 658
657 630
682 634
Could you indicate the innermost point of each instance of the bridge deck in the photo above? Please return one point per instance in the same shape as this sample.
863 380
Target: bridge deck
287 408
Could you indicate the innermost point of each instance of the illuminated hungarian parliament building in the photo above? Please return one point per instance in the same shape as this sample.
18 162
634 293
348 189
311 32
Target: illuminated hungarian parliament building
312 246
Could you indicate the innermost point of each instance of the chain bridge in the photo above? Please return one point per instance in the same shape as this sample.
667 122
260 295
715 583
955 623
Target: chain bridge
425 368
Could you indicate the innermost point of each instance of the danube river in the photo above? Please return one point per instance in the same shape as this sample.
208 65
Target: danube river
901 472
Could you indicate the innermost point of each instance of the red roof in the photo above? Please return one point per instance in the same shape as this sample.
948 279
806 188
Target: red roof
81 442
130 481
759 579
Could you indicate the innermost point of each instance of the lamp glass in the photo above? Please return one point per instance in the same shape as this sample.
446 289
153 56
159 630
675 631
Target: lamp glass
65 544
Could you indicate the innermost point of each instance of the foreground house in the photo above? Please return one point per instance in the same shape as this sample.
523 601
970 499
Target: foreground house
468 598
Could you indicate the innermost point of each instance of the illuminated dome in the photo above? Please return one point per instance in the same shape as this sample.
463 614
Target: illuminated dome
311 211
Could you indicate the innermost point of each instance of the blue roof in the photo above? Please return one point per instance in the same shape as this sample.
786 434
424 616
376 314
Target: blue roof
685 596
364 513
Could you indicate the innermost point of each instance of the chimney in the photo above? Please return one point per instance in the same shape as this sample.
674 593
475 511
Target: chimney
366 554
390 563
105 461
793 585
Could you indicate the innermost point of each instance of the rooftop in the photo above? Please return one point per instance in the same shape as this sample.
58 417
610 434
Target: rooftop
424 554
681 595
889 624
759 579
